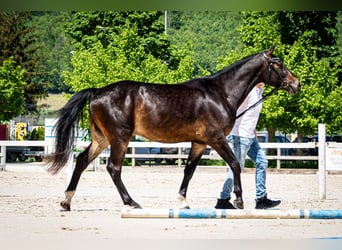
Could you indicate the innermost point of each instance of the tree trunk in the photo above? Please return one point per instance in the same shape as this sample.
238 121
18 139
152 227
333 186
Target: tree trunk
271 138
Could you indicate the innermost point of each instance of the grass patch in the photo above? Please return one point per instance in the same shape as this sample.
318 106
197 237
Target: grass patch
53 103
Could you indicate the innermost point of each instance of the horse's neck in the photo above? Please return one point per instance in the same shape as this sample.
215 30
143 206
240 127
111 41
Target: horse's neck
238 83
246 91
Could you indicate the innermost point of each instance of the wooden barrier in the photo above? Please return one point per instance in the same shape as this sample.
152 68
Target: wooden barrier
173 213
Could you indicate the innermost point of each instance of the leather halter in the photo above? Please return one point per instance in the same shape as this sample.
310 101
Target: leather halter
270 62
283 84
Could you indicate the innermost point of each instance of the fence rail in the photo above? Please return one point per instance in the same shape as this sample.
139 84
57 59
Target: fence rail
180 155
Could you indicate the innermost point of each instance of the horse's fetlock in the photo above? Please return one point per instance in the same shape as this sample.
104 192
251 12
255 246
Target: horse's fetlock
183 202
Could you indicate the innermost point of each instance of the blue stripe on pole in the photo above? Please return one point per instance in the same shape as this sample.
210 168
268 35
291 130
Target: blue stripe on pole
325 214
197 213
232 214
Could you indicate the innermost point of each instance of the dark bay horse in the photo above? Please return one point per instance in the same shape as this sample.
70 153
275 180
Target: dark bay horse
201 111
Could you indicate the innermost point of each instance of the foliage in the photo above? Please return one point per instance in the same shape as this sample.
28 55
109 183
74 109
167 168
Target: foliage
259 31
56 48
318 69
321 25
11 90
314 58
339 28
87 28
125 58
115 45
37 134
18 41
211 33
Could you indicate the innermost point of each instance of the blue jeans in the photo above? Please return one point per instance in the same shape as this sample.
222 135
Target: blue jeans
242 147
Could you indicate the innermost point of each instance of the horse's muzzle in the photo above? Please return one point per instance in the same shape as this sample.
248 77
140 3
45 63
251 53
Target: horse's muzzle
292 87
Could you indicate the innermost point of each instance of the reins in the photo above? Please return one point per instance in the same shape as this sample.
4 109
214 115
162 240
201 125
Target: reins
270 62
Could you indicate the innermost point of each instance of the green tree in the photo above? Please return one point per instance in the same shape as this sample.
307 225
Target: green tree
318 74
11 90
321 24
339 28
310 38
211 33
125 58
18 41
88 28
56 48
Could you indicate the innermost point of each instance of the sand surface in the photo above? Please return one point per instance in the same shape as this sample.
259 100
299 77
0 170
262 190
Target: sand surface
29 202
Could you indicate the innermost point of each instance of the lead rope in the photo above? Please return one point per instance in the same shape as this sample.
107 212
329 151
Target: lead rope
258 102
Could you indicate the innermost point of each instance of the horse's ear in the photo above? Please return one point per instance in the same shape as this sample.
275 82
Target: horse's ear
270 51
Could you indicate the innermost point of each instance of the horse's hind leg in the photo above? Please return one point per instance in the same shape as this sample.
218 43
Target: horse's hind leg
82 162
194 157
114 166
98 144
81 165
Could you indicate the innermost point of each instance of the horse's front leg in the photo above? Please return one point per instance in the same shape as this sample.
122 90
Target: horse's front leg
235 166
222 148
115 173
188 173
190 167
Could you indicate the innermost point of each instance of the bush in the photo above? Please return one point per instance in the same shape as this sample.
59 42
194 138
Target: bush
37 134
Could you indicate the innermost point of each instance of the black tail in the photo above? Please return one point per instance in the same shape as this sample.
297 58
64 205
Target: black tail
65 129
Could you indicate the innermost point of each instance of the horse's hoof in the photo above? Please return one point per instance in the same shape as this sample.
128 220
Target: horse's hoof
183 202
133 204
186 207
65 206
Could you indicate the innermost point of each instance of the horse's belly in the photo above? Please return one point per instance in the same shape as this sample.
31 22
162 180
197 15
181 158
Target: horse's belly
171 133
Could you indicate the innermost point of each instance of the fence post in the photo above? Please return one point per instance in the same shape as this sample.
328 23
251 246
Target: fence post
278 155
3 158
179 157
321 161
133 156
96 163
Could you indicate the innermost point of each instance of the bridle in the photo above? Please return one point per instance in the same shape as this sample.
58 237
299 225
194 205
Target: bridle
284 83
270 62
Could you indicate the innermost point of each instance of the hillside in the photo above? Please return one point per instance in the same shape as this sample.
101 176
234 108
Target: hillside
53 102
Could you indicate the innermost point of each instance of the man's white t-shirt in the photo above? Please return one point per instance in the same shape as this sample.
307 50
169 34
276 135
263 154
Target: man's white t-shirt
246 124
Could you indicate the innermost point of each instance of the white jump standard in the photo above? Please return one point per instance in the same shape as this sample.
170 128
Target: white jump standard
173 213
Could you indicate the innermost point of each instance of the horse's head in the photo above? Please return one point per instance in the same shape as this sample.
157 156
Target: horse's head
278 75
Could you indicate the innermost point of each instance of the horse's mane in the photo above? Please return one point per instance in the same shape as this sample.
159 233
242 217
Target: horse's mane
233 66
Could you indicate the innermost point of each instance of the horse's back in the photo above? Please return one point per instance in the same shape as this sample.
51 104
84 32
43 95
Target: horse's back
160 112
148 93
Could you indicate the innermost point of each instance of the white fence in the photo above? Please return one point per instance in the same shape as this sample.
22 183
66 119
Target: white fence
329 154
179 156
213 155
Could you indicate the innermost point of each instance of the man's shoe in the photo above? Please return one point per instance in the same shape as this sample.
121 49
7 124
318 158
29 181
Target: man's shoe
264 203
224 204
238 204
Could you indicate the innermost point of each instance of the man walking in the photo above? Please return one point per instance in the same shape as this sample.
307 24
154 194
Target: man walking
243 142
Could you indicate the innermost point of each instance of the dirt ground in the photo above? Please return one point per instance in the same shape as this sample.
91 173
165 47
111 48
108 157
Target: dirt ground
29 202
